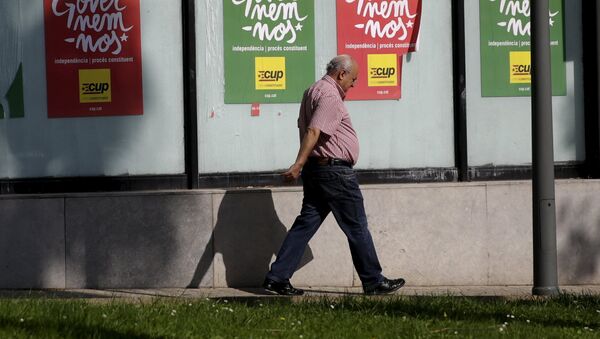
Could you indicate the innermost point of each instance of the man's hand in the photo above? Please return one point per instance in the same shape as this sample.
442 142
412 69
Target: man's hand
309 140
293 173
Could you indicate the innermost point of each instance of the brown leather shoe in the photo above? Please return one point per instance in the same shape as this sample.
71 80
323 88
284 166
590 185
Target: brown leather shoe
385 287
281 288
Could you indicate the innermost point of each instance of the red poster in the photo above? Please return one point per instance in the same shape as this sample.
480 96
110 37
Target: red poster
93 57
377 33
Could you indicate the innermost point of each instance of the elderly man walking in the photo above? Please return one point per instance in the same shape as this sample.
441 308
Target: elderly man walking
328 151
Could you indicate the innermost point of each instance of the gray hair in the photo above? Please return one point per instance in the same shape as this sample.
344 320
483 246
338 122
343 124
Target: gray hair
341 62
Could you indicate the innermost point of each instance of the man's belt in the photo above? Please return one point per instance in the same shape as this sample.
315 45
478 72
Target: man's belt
323 161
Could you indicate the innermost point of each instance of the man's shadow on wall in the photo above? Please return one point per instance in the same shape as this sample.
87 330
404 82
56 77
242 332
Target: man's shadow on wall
247 234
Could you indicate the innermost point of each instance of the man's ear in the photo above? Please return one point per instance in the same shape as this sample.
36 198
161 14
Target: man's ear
341 75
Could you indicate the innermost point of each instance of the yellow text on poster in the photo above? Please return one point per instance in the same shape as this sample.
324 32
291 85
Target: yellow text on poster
383 70
270 73
520 67
94 85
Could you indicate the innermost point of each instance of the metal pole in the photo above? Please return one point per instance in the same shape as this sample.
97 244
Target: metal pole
545 276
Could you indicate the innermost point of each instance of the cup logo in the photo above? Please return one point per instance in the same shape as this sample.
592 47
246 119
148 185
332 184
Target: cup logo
520 67
270 73
383 70
94 85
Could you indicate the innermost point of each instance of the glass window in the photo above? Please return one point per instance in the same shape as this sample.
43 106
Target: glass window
499 128
35 145
415 131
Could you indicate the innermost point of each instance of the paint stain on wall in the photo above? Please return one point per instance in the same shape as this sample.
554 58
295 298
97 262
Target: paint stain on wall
14 96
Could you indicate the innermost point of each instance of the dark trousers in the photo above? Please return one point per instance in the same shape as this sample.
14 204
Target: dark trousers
329 188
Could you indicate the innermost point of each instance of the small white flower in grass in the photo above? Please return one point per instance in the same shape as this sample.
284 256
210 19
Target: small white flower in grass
528 321
300 336
22 320
455 332
299 322
501 329
260 305
597 311
332 306
104 315
225 301
505 324
64 317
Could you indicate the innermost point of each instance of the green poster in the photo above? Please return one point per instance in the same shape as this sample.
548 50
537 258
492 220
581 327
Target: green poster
269 50
505 48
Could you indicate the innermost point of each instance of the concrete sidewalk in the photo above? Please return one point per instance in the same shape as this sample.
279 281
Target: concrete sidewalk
257 293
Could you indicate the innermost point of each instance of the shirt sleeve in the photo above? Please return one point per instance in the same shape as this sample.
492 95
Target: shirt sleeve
328 114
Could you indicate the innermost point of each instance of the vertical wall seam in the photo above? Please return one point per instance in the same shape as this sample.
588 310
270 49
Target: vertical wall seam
212 237
65 238
487 233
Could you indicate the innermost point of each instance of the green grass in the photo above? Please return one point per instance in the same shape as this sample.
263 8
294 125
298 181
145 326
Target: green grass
357 317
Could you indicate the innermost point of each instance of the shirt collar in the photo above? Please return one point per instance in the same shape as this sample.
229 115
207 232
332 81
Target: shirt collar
334 83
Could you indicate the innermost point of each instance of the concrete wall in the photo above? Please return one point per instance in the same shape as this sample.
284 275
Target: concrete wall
431 234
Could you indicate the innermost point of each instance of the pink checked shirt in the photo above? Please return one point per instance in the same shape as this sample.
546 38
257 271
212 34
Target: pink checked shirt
323 108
